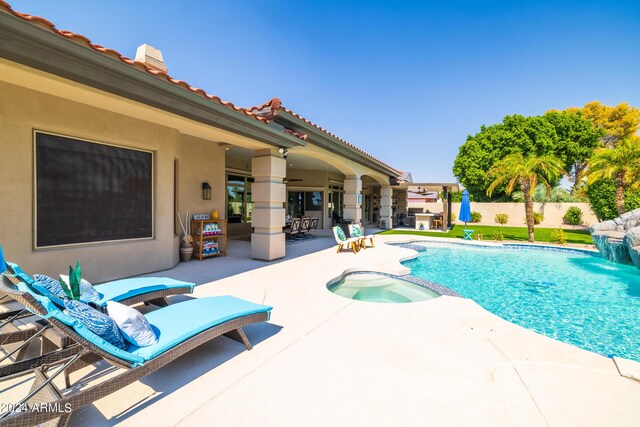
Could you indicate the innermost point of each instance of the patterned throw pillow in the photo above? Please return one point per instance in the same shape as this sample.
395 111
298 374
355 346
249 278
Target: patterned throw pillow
340 233
51 285
98 323
356 231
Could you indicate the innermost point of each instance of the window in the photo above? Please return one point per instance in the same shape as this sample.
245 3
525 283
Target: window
239 200
301 202
91 192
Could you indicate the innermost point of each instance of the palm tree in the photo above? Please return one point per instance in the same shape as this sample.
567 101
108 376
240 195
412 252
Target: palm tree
620 163
526 173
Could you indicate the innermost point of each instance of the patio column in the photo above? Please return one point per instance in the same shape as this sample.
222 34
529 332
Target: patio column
403 204
385 206
445 208
267 217
353 199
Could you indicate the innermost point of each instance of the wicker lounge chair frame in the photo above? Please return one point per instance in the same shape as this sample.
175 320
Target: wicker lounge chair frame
85 352
15 335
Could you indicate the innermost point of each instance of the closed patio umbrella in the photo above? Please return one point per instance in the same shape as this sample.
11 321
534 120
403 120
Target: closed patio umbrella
465 208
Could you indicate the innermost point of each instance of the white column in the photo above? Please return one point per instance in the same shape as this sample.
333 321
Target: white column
353 199
267 218
385 206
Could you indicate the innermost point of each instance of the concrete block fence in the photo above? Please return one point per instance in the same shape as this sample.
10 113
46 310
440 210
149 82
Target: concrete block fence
553 212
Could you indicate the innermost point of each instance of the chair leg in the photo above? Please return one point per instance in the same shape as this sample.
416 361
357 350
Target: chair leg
354 247
371 240
339 248
238 335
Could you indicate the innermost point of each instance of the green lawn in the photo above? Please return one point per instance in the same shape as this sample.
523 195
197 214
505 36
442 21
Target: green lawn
509 233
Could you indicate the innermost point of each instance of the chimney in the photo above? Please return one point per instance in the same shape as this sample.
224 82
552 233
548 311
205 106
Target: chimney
152 57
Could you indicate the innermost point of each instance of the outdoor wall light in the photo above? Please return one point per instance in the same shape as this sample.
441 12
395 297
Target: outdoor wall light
206 191
283 151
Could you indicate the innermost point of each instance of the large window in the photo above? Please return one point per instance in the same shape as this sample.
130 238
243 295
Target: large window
91 192
239 201
301 202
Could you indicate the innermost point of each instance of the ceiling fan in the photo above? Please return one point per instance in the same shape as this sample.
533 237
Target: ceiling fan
422 191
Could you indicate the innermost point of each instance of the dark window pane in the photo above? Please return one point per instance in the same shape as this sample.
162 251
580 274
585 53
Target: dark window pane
313 201
88 192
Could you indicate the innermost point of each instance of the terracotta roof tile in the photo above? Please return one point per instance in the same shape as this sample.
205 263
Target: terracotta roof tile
84 41
270 109
263 113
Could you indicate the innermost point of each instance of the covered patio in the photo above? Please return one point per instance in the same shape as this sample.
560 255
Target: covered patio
418 193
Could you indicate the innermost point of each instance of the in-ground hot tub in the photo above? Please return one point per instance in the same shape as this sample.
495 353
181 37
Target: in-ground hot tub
373 287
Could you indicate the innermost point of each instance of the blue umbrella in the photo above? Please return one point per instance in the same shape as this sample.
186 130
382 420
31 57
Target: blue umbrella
465 208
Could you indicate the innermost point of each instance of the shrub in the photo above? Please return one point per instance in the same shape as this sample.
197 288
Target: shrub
538 217
558 236
573 216
602 197
502 218
476 216
498 235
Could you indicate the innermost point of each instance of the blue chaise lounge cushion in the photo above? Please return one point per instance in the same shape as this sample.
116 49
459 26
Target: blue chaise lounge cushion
179 322
119 290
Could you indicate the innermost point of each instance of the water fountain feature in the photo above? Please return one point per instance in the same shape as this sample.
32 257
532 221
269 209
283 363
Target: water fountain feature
618 240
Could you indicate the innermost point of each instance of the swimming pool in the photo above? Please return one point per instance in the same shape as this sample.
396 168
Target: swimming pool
379 288
576 298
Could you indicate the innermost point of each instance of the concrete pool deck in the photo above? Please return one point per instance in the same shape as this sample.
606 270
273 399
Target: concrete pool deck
326 360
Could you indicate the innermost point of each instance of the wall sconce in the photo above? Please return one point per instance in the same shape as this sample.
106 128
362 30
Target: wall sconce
206 191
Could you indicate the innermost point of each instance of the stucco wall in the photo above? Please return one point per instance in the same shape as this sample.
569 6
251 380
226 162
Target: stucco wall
23 110
553 212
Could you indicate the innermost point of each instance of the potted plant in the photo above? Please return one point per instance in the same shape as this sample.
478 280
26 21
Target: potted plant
186 247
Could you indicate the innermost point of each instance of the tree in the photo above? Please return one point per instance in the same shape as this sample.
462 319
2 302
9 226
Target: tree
516 134
619 122
525 172
577 138
621 164
570 136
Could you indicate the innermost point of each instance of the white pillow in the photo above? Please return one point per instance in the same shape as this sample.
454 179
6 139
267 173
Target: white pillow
132 324
87 292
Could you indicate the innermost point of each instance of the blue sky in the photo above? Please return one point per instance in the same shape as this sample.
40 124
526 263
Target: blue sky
405 81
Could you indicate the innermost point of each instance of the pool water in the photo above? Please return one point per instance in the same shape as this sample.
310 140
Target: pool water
377 288
576 298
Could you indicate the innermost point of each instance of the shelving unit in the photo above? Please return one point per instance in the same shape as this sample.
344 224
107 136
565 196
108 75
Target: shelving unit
210 242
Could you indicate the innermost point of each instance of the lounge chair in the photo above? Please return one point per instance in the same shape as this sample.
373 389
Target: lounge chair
182 327
356 230
343 241
150 290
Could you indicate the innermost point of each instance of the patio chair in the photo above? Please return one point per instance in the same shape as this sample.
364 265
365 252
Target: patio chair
293 229
305 225
356 230
314 224
344 241
182 327
149 290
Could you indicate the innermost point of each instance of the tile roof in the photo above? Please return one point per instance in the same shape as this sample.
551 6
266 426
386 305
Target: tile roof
84 41
270 109
263 113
